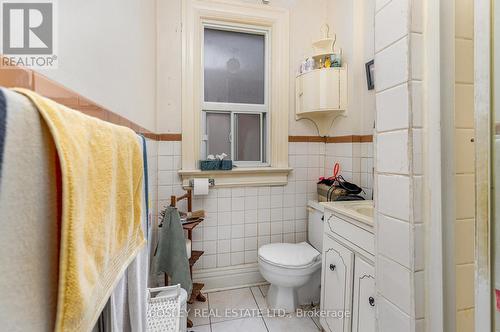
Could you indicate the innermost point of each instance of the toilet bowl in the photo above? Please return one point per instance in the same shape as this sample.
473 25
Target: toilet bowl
287 267
294 269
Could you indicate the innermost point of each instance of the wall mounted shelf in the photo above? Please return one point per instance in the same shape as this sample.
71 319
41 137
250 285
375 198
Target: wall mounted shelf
321 96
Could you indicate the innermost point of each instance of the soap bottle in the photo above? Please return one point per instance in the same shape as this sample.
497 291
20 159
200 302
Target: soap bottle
328 62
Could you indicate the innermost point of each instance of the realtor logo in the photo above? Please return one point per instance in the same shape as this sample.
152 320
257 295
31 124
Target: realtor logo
28 33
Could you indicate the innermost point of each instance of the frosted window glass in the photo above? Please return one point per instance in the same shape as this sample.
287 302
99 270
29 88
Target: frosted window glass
218 131
248 137
234 67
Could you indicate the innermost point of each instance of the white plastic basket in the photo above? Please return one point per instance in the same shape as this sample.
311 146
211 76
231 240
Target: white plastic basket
163 313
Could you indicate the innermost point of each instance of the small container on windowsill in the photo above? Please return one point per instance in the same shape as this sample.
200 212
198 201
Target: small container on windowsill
213 165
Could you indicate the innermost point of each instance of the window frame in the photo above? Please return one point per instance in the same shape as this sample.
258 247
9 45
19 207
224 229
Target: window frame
196 13
235 108
264 134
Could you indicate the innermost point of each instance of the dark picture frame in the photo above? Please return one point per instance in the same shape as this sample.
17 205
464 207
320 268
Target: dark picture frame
370 74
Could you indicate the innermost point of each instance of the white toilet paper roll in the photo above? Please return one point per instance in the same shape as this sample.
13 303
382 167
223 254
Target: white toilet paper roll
200 187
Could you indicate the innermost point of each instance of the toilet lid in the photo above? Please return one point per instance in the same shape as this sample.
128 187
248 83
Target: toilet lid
289 254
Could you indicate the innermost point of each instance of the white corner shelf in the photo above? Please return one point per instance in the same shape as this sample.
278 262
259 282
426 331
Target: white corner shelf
323 47
321 96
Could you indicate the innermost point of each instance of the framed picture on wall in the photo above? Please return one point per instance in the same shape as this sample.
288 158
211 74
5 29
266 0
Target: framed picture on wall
370 74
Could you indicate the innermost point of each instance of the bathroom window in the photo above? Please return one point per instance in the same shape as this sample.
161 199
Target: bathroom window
234 101
235 91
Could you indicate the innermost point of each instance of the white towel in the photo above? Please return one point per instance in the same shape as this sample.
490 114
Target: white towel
29 221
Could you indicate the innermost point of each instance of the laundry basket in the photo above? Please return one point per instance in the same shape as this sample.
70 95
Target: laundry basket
164 310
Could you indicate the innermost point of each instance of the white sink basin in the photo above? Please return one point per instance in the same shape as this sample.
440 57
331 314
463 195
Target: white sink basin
366 211
359 210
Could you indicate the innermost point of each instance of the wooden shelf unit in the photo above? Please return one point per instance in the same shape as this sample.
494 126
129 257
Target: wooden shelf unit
196 294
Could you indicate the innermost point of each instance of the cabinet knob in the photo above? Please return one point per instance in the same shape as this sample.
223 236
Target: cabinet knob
332 267
371 300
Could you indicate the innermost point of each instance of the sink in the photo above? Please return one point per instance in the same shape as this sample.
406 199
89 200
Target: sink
361 211
366 211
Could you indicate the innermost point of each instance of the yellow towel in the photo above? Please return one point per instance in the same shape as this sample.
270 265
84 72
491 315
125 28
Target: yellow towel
102 174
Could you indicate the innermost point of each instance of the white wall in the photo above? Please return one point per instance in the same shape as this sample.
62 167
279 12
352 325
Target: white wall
107 53
353 22
306 19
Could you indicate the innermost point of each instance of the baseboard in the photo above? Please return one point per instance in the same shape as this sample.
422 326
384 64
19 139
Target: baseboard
228 277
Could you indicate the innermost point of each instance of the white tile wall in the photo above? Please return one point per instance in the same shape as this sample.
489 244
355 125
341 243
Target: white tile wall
464 191
465 320
395 145
464 164
464 19
464 103
391 23
464 151
393 236
379 4
394 281
417 17
391 318
464 241
392 108
465 284
394 196
464 53
152 153
398 167
416 103
417 56
239 220
392 65
356 164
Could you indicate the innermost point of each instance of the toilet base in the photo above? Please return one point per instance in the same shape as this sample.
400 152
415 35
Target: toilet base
282 298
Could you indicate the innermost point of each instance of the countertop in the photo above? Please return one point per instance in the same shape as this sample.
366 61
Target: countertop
361 211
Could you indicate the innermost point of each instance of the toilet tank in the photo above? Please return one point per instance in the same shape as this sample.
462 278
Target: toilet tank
315 224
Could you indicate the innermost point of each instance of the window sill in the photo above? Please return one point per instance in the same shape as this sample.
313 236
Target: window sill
238 177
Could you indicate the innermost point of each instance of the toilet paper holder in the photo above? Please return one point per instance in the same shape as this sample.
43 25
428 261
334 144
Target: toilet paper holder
211 182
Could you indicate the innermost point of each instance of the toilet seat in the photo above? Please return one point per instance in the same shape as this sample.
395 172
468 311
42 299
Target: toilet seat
289 255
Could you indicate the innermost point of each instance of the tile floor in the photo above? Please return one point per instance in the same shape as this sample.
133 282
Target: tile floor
245 310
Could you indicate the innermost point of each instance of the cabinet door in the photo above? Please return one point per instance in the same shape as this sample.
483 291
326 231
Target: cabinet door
363 315
329 94
336 286
309 84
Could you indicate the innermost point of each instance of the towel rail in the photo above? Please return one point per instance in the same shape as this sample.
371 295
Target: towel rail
188 195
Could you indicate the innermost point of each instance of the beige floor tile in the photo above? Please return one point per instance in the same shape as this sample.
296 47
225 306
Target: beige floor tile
290 324
255 324
201 328
198 313
230 304
312 312
261 300
264 289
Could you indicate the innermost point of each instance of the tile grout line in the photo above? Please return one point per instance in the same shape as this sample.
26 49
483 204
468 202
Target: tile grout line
209 316
260 310
260 289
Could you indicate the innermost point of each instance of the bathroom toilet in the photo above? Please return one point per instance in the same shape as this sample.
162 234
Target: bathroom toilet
289 267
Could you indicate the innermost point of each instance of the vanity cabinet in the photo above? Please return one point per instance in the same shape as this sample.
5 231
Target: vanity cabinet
363 309
338 263
348 275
